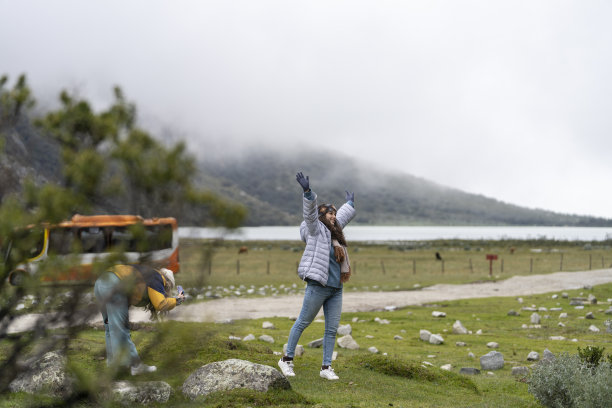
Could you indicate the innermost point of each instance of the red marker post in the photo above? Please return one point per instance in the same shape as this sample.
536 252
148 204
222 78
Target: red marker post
491 258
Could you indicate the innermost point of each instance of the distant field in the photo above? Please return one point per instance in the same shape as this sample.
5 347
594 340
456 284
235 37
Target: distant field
387 267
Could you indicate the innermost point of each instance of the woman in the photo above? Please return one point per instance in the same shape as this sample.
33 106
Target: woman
117 289
325 267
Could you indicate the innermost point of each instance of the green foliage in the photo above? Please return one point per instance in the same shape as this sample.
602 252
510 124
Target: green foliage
570 381
591 355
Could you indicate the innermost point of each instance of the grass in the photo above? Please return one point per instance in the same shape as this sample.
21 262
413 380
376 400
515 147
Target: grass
398 266
366 380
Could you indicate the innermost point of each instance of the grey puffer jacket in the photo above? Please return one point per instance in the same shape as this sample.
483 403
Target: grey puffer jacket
315 260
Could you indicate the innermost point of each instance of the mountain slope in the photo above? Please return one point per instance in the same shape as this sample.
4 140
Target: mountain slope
265 182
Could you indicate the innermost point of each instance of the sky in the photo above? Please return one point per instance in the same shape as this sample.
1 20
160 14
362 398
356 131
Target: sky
507 99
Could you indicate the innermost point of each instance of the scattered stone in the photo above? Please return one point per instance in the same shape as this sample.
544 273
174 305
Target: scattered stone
558 338
235 338
479 331
431 356
520 300
458 328
424 334
316 343
471 355
493 360
555 296
348 342
446 367
608 325
398 337
355 319
578 301
535 318
555 309
533 356
529 309
268 325
266 338
373 350
369 336
460 344
249 337
563 315
608 311
513 312
469 371
230 374
564 295
390 308
382 321
542 309
520 371
579 307
435 313
127 393
46 375
492 344
427 363
524 326
345 329
560 324
594 329
436 339
588 287
589 315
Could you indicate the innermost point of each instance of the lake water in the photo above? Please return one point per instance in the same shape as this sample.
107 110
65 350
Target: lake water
386 234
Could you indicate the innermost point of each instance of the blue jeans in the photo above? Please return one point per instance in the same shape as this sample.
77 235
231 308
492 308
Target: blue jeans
315 297
114 305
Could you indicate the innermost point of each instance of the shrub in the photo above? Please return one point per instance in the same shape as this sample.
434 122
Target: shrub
590 355
570 381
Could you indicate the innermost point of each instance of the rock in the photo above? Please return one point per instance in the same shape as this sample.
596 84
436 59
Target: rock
373 350
593 328
348 342
427 364
435 313
436 339
535 318
512 312
446 367
231 374
533 356
520 371
334 355
458 328
46 375
345 329
579 301
127 393
316 343
469 371
547 355
268 325
608 311
555 296
479 331
381 321
542 309
555 309
564 295
471 355
563 315
557 338
520 300
355 319
390 308
492 344
529 309
424 335
398 337
249 337
235 338
460 344
578 307
493 360
589 315
560 324
369 336
266 338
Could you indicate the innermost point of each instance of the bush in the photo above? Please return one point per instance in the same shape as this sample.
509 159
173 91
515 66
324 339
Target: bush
570 381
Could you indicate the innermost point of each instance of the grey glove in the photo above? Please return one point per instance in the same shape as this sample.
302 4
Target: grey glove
304 181
350 196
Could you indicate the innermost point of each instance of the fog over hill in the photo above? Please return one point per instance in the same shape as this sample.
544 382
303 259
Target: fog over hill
264 181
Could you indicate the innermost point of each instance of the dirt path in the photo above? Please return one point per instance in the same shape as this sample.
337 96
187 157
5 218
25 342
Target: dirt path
289 306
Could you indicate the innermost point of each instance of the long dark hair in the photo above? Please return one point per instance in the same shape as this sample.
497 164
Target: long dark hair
336 229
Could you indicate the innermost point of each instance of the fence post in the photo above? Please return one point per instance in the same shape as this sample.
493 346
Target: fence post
268 268
382 264
602 262
561 263
414 266
471 266
210 265
590 261
237 266
531 265
502 265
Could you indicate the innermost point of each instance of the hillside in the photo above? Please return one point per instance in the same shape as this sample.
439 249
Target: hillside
265 183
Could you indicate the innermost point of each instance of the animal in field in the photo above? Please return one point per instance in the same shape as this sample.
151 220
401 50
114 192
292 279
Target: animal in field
438 256
243 250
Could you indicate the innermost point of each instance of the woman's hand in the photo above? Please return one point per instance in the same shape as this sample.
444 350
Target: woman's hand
350 196
304 181
180 298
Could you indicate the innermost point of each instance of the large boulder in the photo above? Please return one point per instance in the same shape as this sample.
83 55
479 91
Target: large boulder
458 328
127 393
348 342
493 360
231 374
47 375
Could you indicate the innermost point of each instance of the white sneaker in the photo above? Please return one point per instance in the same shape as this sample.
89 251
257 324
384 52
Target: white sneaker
286 368
329 374
141 368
